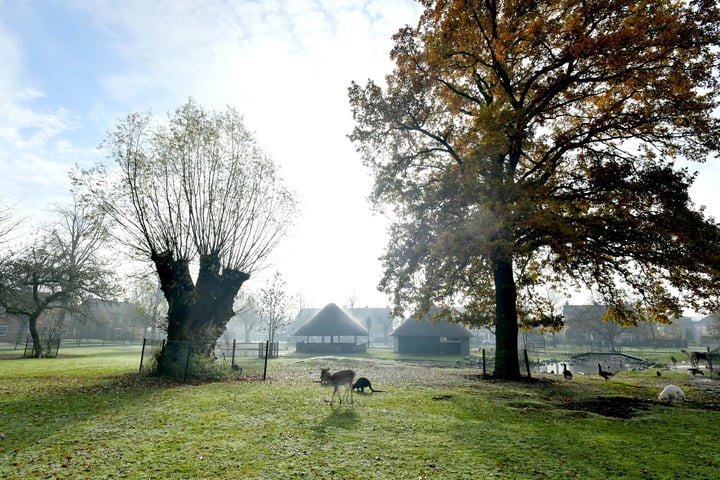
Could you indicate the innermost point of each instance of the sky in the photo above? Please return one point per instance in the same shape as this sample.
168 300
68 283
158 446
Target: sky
69 70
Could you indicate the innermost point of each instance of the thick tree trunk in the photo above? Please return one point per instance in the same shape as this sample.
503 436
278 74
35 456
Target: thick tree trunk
197 312
177 286
507 363
213 308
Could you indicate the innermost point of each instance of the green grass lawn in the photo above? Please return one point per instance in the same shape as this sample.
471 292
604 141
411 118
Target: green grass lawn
88 414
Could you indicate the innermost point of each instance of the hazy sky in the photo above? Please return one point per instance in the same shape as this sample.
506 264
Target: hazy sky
70 69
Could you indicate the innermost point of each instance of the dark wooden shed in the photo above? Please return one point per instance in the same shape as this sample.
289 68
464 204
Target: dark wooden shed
434 338
331 330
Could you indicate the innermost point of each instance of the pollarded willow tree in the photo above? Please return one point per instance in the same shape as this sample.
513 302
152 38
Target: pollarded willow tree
199 199
526 143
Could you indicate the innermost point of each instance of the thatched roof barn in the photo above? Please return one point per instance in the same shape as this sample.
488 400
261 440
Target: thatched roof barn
434 338
377 320
335 325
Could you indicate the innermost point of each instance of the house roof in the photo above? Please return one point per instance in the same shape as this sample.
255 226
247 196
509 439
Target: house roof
709 319
583 312
425 328
331 321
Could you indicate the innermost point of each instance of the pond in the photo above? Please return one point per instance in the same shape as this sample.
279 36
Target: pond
587 363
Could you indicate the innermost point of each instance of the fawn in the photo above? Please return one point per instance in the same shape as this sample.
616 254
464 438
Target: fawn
337 379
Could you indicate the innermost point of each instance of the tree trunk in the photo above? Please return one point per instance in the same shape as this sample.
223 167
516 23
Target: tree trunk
213 307
197 313
37 344
247 329
179 291
507 363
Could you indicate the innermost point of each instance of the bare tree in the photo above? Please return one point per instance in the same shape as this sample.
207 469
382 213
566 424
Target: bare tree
586 324
7 223
714 326
352 300
246 313
150 302
540 309
59 271
276 308
195 194
387 325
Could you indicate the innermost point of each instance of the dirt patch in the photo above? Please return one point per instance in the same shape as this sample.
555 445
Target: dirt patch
616 407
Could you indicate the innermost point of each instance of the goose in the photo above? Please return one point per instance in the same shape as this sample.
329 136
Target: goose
606 375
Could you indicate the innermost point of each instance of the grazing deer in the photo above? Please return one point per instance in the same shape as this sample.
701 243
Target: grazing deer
337 379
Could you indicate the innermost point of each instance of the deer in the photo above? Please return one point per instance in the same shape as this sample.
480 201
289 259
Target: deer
337 379
695 357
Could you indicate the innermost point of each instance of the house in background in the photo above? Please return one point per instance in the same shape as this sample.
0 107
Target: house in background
13 328
584 325
111 320
433 338
334 325
703 331
102 320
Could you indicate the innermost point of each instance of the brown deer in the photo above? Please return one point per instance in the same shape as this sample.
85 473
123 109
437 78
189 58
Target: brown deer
695 357
337 379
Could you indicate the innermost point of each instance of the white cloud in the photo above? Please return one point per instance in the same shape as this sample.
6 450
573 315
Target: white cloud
33 170
286 66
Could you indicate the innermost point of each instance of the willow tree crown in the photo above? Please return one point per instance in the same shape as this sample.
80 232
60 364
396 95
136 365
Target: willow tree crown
198 186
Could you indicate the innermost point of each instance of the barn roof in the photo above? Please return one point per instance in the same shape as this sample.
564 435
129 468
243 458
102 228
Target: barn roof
425 328
331 321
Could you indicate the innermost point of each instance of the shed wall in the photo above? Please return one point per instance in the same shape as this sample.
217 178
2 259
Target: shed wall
431 346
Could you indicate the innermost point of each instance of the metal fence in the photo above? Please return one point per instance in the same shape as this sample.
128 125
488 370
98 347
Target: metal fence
50 347
239 359
249 358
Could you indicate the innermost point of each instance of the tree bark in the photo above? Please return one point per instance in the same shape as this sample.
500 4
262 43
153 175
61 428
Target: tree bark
37 343
197 312
177 286
507 363
213 308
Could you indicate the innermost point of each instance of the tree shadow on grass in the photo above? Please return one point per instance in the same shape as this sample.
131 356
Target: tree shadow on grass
57 407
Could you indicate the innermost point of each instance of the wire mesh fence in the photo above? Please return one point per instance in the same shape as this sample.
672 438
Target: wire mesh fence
49 347
239 359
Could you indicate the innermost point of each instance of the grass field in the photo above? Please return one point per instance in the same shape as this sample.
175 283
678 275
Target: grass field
89 414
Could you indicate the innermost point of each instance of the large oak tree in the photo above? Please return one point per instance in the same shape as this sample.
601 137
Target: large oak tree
521 142
202 201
